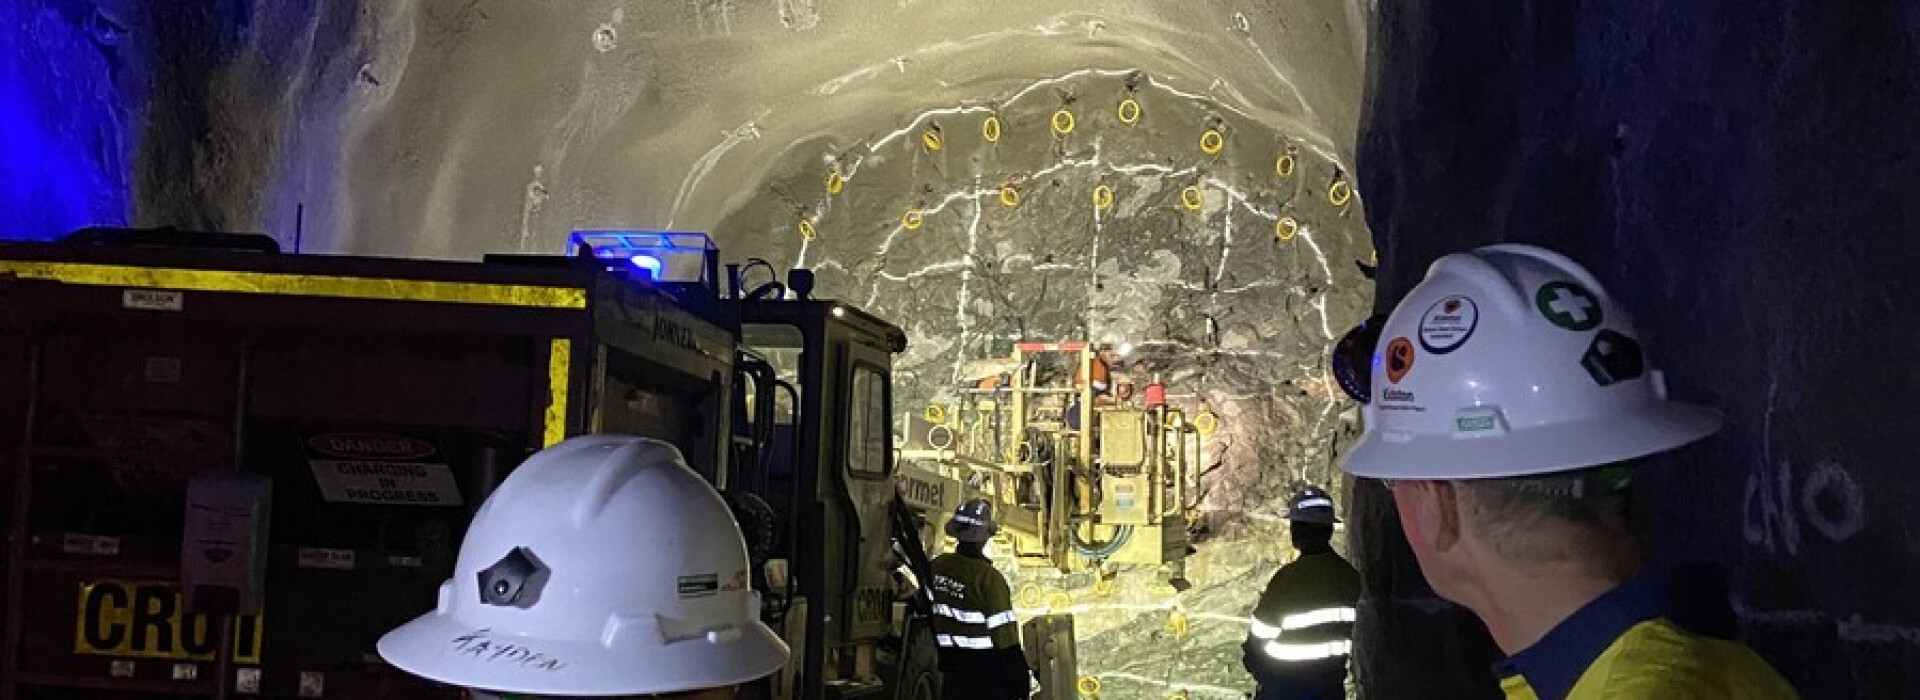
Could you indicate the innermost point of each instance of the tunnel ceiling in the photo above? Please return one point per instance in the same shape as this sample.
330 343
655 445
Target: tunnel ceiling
451 129
974 171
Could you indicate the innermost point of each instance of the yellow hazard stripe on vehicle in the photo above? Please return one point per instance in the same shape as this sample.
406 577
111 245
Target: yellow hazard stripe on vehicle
559 372
377 288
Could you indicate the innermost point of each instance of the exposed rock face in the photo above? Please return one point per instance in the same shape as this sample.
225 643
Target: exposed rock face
1183 264
451 129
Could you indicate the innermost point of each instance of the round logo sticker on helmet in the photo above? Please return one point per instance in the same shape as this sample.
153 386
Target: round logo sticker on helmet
1569 306
1448 324
1399 359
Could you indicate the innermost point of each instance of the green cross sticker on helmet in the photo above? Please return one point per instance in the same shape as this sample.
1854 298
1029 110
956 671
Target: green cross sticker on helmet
1569 306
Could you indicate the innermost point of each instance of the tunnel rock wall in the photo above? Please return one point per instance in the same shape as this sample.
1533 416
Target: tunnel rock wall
454 128
1740 174
66 146
1053 213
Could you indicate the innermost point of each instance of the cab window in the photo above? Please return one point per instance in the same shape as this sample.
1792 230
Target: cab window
867 440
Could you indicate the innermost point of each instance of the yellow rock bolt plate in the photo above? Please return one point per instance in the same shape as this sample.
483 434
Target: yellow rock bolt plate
1286 228
1206 423
1103 197
1339 193
1211 142
1030 596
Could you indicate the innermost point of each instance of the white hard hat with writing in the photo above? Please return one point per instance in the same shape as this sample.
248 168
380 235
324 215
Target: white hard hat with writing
602 566
1512 360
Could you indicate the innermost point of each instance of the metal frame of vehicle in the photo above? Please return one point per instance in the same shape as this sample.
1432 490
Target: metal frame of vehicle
864 635
486 362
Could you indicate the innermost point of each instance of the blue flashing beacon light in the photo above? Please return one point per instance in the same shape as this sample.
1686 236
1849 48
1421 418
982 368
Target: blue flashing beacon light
666 257
648 263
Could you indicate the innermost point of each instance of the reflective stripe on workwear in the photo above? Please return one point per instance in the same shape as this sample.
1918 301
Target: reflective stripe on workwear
967 616
1284 651
972 617
963 642
1317 617
1312 618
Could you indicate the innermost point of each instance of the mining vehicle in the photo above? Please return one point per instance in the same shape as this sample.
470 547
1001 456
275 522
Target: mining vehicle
333 423
1083 481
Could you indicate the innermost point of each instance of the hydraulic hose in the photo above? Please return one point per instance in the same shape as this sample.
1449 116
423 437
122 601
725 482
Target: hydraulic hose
1100 550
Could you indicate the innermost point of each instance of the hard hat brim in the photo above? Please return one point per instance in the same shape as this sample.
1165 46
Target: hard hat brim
1322 516
971 533
429 647
1656 427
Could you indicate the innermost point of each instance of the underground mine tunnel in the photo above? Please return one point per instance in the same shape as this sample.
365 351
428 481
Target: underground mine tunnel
997 196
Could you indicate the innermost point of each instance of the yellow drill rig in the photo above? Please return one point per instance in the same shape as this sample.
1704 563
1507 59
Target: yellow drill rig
1083 474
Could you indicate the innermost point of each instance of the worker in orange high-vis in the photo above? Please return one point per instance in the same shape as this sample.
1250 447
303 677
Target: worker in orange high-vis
1508 405
1302 630
1099 373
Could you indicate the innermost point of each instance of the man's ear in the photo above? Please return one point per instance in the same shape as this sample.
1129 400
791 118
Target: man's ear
1431 511
1445 502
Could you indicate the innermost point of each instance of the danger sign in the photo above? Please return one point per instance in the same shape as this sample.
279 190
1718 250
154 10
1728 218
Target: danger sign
145 619
381 469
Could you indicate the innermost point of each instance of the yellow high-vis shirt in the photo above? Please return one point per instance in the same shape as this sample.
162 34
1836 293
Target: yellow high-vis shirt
1626 645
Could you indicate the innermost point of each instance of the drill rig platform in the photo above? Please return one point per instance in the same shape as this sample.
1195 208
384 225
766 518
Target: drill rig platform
1082 475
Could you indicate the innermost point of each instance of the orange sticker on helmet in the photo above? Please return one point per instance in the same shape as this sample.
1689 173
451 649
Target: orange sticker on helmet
1399 359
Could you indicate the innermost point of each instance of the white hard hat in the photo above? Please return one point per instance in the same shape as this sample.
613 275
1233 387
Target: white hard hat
602 566
1512 360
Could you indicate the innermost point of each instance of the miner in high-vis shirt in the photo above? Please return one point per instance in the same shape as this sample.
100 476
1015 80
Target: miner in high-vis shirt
1302 629
973 621
1509 403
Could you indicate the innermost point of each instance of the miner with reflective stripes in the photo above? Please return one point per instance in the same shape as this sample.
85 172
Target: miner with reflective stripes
1302 630
973 620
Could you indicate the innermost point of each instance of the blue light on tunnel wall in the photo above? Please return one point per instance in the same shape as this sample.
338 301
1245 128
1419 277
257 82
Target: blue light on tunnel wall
60 136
